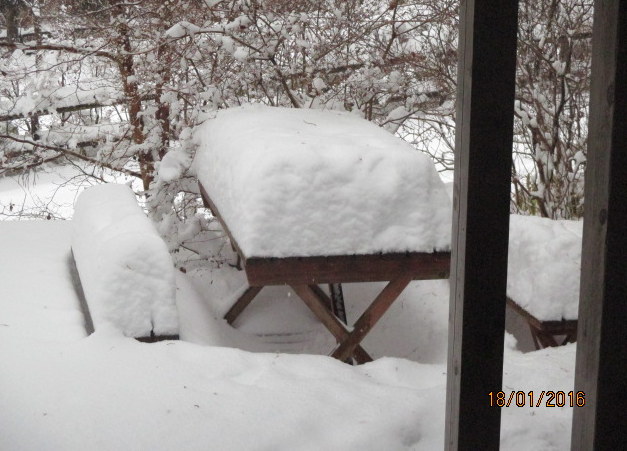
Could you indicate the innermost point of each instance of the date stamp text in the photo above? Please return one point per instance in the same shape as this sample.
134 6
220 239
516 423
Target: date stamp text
537 399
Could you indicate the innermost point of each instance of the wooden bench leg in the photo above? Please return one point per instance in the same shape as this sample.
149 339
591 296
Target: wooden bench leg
244 300
371 316
318 305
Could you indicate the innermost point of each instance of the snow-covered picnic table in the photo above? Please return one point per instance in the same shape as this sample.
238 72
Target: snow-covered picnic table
312 197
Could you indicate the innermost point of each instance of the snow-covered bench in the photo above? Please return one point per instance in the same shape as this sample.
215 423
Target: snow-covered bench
543 276
313 197
125 269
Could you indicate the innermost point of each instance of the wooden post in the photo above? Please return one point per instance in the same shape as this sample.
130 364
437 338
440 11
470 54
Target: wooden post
485 112
602 335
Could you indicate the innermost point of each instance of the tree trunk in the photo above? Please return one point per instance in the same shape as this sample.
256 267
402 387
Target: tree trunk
131 91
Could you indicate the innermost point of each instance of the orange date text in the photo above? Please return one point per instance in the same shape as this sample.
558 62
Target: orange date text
537 399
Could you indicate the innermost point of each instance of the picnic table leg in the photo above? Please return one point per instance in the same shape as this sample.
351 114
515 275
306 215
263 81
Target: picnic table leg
322 296
548 339
335 305
316 304
244 300
542 339
571 337
534 336
372 314
337 301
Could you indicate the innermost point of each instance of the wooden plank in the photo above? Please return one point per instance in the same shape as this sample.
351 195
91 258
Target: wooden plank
152 338
78 288
346 268
602 336
485 111
373 313
244 300
316 305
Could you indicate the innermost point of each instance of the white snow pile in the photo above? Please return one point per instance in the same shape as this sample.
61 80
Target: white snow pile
124 266
300 182
183 28
60 390
173 165
544 266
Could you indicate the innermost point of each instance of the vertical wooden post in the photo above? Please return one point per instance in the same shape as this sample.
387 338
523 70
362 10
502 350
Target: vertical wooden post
601 366
485 114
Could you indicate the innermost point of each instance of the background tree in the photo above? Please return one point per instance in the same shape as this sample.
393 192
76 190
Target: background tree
120 85
552 107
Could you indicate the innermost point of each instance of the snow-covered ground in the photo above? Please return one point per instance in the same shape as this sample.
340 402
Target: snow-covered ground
63 390
50 190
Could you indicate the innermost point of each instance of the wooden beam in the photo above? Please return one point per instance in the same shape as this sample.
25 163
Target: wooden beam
346 268
152 338
372 315
484 129
602 336
328 303
244 300
317 306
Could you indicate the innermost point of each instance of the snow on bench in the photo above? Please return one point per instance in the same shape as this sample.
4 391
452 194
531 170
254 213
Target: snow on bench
125 269
544 266
301 183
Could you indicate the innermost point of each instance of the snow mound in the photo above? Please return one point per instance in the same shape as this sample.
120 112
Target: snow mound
544 266
124 266
299 182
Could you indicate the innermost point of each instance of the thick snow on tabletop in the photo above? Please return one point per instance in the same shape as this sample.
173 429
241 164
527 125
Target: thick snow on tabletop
299 182
544 266
124 265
